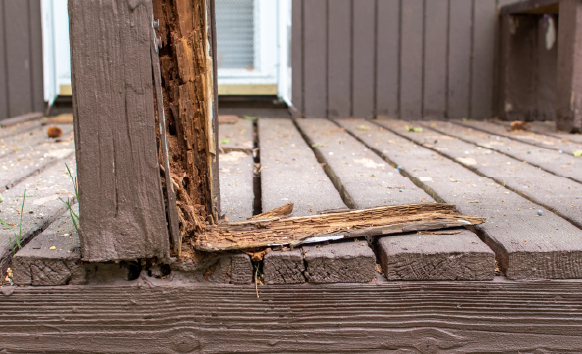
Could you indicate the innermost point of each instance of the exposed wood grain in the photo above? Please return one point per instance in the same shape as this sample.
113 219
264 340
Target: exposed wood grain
483 67
436 22
419 317
411 58
16 24
364 62
358 223
459 80
388 58
284 210
569 98
315 58
339 63
121 200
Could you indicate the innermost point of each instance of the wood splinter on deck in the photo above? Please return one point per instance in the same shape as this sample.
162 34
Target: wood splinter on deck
319 228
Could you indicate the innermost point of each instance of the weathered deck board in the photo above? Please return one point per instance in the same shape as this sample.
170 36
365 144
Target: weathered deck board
527 246
236 169
33 159
367 181
542 136
424 317
364 179
121 199
41 208
37 264
560 194
549 128
11 144
290 172
16 129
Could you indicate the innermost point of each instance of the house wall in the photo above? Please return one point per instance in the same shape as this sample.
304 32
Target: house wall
21 80
396 58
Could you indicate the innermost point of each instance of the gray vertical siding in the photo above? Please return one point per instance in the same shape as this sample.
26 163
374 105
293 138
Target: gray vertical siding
397 58
21 85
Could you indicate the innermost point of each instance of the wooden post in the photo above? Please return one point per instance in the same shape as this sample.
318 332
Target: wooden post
569 102
121 202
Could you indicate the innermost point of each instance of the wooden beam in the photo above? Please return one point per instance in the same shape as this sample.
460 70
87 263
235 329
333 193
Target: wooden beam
415 317
121 202
569 104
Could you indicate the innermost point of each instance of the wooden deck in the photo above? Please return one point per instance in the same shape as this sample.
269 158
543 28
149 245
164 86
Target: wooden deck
526 184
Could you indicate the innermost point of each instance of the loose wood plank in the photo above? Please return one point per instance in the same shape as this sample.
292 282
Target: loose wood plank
363 54
388 62
315 58
459 66
435 63
411 58
33 159
350 224
291 173
527 246
121 201
452 317
42 206
236 169
340 62
563 165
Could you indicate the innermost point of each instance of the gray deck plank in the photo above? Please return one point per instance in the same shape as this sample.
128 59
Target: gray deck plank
290 172
12 144
52 257
366 181
6 131
541 138
41 208
236 170
30 160
527 246
564 165
549 128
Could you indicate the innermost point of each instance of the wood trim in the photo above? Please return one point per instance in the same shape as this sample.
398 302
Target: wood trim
153 316
251 90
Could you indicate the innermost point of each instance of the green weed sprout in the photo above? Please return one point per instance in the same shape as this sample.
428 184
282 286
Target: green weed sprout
68 202
18 236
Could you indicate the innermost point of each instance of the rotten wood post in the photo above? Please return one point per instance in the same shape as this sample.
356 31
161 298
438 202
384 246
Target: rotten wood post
569 102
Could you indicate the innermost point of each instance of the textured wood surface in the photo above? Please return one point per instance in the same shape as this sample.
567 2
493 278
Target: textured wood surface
121 200
417 317
41 207
349 224
411 58
527 246
291 173
569 98
435 63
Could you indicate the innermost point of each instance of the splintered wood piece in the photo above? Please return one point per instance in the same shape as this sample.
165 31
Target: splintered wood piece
308 229
284 210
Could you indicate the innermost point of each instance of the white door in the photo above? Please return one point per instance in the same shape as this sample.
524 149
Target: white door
253 47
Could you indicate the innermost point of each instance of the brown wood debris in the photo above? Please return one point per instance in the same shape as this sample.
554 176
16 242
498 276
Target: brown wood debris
187 94
357 223
284 210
